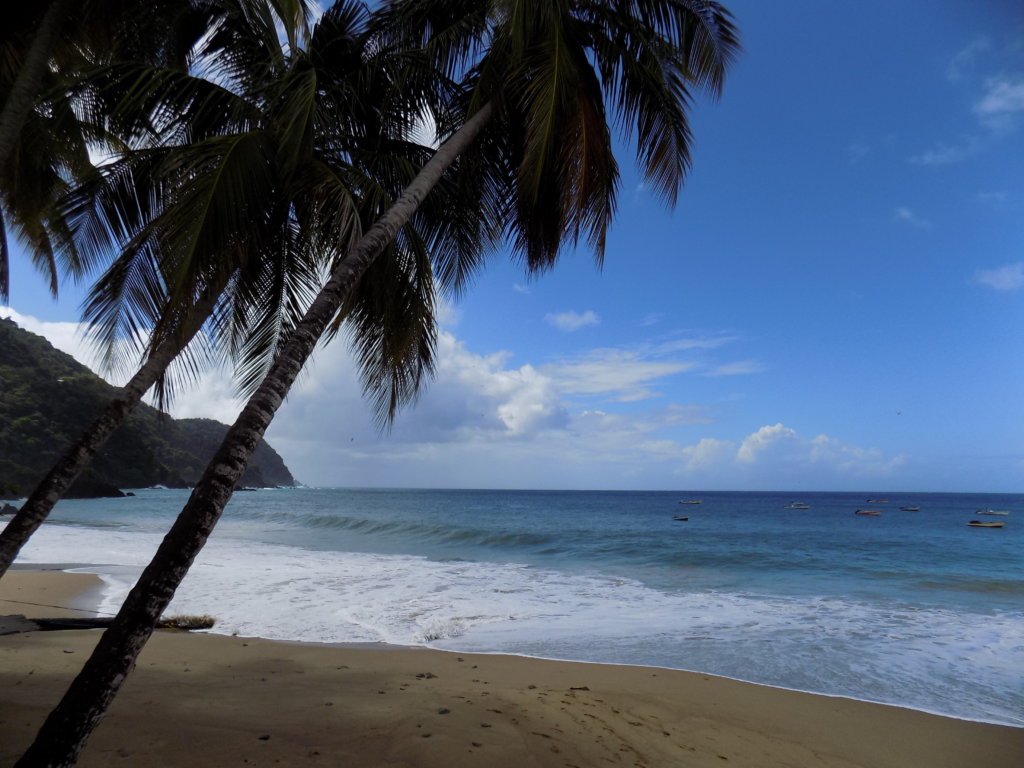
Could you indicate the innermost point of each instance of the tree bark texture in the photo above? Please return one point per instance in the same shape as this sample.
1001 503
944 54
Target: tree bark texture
55 484
65 731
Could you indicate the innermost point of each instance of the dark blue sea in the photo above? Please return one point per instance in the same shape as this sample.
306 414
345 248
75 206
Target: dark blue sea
913 608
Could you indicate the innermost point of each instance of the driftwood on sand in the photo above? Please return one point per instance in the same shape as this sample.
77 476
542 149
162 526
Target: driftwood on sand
21 624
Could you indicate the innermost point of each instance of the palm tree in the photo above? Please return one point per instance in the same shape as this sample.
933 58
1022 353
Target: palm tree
263 169
536 130
117 208
46 143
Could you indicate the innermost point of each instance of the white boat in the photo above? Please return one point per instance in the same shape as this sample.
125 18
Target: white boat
797 505
1002 512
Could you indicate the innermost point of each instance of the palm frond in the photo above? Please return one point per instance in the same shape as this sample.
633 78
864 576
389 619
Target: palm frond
389 318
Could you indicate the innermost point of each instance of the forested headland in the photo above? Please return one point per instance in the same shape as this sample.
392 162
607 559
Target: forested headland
47 398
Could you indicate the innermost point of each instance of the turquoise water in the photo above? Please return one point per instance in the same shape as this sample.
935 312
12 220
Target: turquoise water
911 608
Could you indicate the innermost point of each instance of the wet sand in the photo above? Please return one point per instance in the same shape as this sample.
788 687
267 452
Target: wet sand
210 700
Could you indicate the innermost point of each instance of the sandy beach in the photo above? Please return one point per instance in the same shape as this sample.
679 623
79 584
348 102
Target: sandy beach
211 700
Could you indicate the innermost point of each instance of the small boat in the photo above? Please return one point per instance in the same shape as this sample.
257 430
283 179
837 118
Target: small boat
878 501
692 501
797 505
911 509
873 512
682 519
1002 512
980 524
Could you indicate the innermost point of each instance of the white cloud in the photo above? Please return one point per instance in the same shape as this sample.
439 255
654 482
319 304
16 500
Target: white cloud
998 103
210 396
1004 96
692 342
738 368
1006 278
572 321
520 288
67 337
707 453
447 314
480 423
965 60
485 423
776 456
907 216
945 154
762 440
994 199
624 375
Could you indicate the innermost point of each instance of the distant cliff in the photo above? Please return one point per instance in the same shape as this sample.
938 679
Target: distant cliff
47 399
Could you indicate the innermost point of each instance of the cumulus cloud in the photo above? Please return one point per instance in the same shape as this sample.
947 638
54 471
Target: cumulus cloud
764 439
572 321
211 394
707 453
482 422
487 423
67 337
776 456
1006 278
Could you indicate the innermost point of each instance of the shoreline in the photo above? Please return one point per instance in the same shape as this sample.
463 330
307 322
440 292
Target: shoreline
207 699
88 601
769 686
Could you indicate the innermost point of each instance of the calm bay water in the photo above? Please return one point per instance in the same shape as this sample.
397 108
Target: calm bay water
909 608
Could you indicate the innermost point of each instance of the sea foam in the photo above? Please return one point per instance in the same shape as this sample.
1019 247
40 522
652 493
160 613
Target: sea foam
935 659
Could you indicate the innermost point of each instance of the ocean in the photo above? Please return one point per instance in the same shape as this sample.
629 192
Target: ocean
912 608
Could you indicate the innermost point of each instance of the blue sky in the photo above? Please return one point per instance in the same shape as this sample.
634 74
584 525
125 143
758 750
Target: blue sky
837 301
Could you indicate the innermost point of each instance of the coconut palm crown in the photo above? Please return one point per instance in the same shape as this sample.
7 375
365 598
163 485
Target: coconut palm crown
561 75
256 173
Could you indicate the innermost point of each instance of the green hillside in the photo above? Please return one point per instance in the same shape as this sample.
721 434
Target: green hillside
47 399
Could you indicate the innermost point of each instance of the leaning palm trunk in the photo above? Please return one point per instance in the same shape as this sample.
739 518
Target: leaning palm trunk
63 734
55 484
26 87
